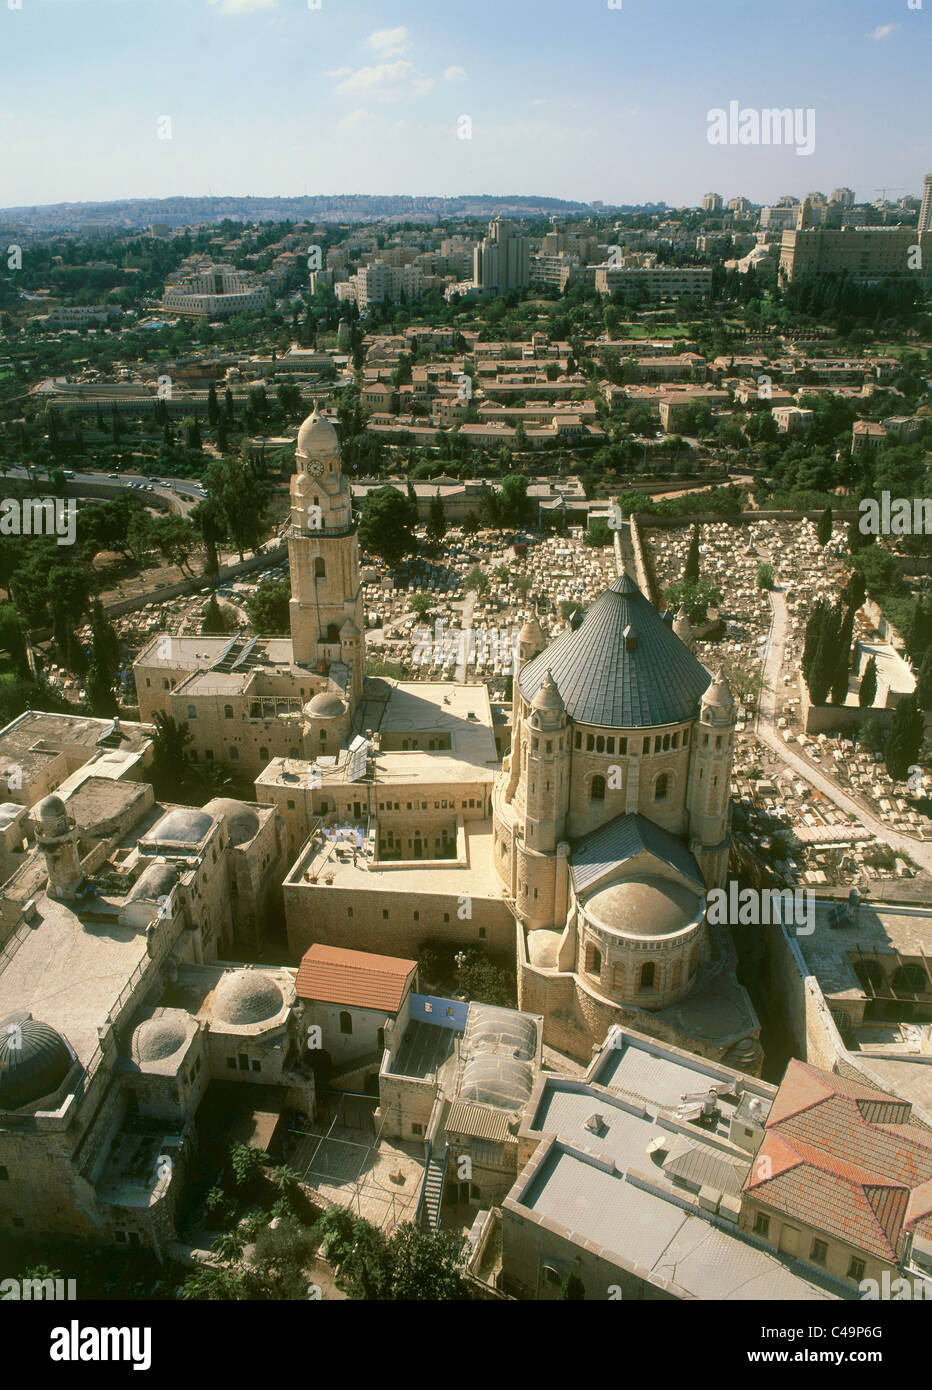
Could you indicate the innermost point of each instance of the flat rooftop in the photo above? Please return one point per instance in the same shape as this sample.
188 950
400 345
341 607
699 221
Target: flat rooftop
65 731
880 930
633 1070
478 877
67 972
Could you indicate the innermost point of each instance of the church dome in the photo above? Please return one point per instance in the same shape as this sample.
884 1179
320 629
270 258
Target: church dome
157 1038
51 817
247 996
155 882
317 437
326 705
34 1060
622 668
240 820
182 826
641 907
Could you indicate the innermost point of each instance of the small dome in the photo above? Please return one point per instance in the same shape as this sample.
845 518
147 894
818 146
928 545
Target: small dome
34 1059
51 817
183 826
650 906
317 437
326 705
157 1038
548 696
155 882
247 996
542 948
240 820
719 692
531 632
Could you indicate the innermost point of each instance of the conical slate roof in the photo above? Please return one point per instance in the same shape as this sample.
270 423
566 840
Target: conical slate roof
622 668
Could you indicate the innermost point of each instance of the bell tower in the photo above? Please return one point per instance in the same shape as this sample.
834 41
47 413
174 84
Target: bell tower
326 595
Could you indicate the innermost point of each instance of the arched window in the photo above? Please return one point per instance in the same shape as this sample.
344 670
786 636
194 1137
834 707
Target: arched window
647 975
346 1021
192 712
911 979
662 787
228 711
333 632
597 790
320 569
593 959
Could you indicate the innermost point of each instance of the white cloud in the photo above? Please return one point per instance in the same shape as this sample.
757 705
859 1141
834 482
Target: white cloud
451 74
386 82
353 119
388 43
338 72
883 31
242 6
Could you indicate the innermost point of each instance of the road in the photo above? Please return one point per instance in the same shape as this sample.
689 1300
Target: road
919 851
184 491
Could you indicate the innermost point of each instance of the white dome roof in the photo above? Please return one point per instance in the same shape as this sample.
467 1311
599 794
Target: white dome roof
317 437
326 705
241 821
157 1038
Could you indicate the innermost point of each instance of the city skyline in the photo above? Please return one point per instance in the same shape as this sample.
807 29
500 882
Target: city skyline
376 102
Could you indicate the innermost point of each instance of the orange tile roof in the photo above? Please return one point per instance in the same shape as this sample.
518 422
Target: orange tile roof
846 1159
333 975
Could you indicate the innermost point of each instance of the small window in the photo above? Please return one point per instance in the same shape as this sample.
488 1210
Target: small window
231 1063
346 1021
446 916
609 745
645 747
590 742
290 805
320 569
228 711
264 754
597 790
417 916
819 1252
384 914
4 1174
648 971
662 787
762 1224
856 1269
257 1066
192 712
482 933
349 912
416 1128
234 755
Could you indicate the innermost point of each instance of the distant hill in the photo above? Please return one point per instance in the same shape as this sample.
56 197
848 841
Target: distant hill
140 213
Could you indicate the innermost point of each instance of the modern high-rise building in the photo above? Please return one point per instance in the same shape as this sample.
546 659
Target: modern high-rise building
502 260
925 211
711 202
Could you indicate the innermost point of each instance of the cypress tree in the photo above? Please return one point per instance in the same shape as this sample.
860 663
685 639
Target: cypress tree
905 738
868 691
691 572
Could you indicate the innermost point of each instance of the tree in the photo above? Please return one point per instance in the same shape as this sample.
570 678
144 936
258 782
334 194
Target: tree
207 519
765 576
843 658
175 537
240 490
824 528
171 768
691 572
268 608
515 505
214 624
436 519
213 406
424 1265
103 665
229 408
868 691
697 598
924 682
871 736
572 1288
905 738
386 528
598 533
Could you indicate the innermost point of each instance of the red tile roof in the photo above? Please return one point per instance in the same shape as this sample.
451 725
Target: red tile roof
332 975
846 1159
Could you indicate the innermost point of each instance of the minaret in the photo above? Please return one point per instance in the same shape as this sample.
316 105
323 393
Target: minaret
323 555
57 838
709 796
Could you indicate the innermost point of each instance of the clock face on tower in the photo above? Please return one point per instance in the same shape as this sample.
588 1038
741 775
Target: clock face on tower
317 469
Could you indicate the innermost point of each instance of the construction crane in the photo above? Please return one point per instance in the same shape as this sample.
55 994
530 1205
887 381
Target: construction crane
897 188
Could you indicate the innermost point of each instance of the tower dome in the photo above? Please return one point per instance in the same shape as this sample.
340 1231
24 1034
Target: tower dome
317 438
34 1060
326 705
719 694
51 817
548 697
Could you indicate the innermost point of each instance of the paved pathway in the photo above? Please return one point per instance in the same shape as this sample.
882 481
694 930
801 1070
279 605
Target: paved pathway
918 850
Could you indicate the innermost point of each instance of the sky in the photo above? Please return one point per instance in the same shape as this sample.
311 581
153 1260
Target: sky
581 99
